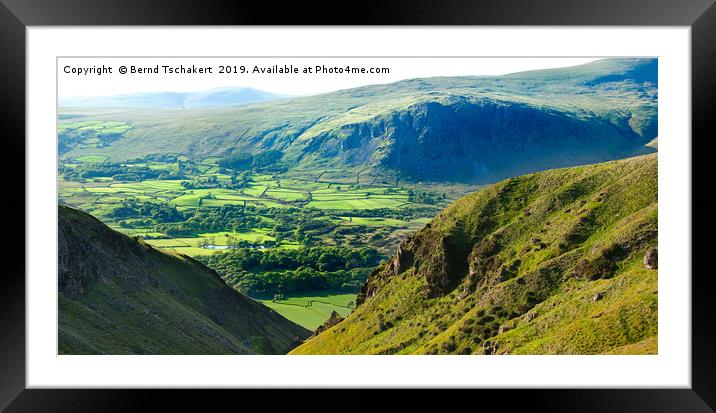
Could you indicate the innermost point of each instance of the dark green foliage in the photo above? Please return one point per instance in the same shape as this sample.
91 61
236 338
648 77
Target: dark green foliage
424 197
158 212
267 159
156 157
240 161
226 218
264 273
405 213
116 171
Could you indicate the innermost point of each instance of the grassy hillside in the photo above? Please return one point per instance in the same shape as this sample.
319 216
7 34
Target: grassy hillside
556 262
118 295
466 129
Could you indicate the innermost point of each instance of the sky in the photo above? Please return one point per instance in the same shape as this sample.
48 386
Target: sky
83 81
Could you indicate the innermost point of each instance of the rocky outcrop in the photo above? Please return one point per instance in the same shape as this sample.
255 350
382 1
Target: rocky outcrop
442 263
651 259
403 258
484 263
368 289
334 319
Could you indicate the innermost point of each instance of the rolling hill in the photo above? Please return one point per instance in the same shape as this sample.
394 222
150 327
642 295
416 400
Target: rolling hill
557 262
118 295
463 129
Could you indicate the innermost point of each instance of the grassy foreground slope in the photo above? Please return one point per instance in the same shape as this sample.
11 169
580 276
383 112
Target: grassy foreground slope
548 263
118 295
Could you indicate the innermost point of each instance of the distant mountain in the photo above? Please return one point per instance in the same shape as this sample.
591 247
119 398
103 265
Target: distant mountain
557 262
118 295
469 129
228 97
221 97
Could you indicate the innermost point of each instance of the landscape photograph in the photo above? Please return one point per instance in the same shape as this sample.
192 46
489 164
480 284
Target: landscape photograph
477 214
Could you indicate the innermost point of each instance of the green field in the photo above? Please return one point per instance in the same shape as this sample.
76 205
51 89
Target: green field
208 188
90 135
312 309
91 158
285 194
358 203
94 126
375 222
101 195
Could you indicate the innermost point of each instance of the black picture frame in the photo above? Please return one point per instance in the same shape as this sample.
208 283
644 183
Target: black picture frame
700 15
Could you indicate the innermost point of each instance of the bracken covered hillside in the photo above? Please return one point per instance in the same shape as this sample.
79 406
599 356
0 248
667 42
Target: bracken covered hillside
118 295
557 262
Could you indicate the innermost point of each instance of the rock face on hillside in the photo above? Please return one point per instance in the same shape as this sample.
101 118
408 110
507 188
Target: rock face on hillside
548 263
334 319
651 259
468 129
118 295
479 140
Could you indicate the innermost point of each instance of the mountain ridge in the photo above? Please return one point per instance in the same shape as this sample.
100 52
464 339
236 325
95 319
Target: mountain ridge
465 129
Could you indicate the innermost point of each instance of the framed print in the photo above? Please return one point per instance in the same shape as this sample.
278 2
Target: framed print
450 199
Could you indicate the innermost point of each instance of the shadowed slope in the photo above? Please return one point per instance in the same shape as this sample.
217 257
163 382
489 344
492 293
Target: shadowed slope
118 295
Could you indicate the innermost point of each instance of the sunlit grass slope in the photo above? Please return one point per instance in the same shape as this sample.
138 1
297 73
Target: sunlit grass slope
547 263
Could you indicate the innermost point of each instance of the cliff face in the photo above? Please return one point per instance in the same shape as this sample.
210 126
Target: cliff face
557 262
478 140
118 295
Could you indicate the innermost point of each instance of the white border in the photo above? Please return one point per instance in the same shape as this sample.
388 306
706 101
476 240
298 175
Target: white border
670 368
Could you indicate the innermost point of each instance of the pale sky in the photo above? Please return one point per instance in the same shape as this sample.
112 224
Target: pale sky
71 84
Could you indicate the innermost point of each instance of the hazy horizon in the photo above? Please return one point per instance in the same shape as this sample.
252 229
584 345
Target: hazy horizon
72 86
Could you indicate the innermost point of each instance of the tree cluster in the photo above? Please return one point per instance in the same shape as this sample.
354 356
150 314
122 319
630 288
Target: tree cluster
276 271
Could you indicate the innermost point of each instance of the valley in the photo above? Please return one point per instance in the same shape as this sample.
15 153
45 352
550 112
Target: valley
201 209
445 215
